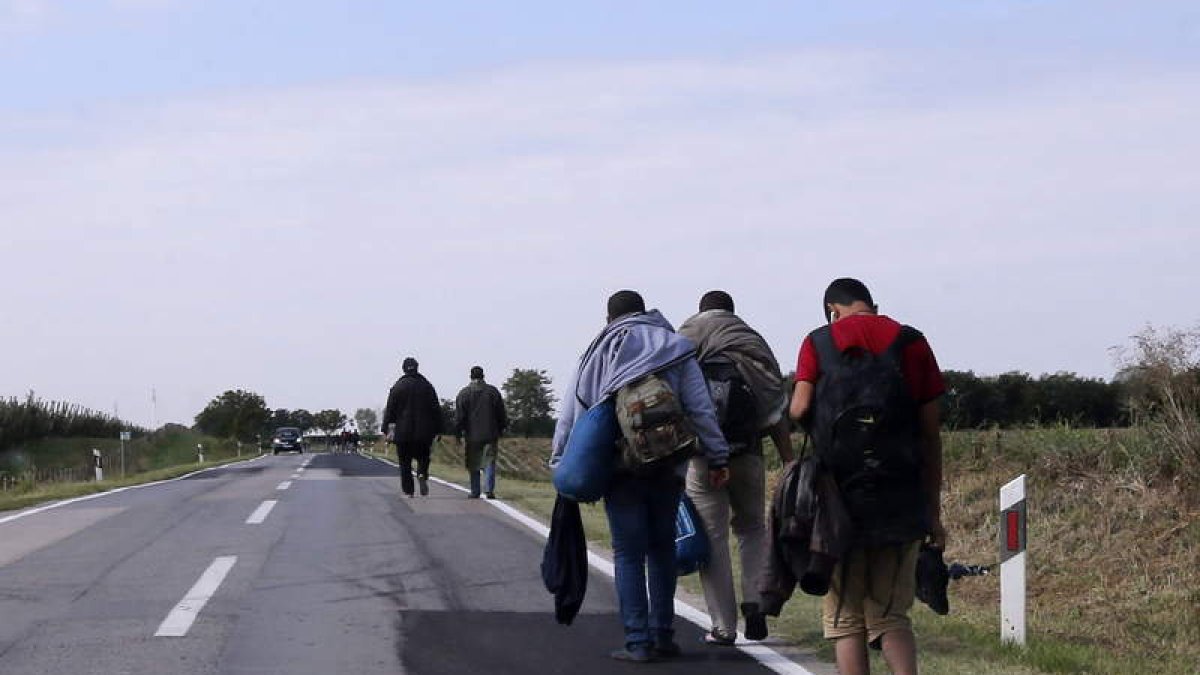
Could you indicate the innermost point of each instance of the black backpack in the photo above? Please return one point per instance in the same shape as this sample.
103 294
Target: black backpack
734 400
865 430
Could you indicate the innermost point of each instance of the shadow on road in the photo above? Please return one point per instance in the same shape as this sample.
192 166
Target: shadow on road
353 466
502 643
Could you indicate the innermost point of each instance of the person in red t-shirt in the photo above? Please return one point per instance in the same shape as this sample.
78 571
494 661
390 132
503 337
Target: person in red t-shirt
873 587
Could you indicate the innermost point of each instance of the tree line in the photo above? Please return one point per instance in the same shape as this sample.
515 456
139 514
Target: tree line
31 418
242 415
1018 399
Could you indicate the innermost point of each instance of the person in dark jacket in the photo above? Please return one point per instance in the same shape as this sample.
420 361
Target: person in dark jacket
413 417
480 417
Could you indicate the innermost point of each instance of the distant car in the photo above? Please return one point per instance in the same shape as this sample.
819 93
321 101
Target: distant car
287 439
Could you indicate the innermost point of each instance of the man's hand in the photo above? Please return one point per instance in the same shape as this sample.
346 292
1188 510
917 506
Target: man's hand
937 535
718 478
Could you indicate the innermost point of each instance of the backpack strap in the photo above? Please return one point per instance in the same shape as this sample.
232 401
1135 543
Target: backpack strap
906 336
822 341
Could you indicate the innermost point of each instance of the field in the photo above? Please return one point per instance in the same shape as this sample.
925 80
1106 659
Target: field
1114 553
51 468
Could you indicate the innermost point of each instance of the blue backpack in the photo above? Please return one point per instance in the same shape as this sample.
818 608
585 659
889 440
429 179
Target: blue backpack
587 464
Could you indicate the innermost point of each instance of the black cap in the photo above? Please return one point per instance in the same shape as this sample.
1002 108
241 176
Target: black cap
476 373
716 300
410 365
625 302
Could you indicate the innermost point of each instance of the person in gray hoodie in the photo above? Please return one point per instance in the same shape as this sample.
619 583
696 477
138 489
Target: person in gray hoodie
641 508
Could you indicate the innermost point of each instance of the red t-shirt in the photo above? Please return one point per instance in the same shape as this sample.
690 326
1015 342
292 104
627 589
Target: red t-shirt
876 333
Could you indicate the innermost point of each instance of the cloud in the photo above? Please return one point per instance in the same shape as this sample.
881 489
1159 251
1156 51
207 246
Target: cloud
299 241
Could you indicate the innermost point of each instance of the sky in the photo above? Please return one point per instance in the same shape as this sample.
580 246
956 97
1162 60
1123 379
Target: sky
291 197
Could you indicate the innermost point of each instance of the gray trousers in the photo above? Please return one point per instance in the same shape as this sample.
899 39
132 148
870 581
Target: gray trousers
741 505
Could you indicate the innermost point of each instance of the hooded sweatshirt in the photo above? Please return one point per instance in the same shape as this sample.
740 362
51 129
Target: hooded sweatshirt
631 347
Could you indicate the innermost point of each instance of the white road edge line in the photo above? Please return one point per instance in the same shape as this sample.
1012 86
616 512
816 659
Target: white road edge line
284 485
766 656
75 500
260 514
179 621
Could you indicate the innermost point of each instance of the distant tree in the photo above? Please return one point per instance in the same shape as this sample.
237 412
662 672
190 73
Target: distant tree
302 418
329 421
235 414
449 415
367 420
530 402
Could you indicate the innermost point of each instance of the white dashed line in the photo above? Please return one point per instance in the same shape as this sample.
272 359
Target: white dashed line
284 485
180 620
260 514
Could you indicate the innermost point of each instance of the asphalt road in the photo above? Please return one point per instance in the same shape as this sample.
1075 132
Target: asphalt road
341 574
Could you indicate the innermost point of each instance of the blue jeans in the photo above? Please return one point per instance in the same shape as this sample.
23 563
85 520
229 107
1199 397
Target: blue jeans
641 518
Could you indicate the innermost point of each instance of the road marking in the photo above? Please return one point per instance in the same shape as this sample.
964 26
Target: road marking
284 485
260 514
769 658
180 620
75 500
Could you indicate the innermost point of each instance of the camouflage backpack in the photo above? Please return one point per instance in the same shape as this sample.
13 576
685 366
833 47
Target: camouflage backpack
654 427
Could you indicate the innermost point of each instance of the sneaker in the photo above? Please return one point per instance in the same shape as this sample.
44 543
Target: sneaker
473 495
638 653
424 483
490 495
408 494
719 638
756 621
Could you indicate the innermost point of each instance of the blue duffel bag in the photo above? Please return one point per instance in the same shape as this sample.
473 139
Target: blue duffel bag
587 464
691 542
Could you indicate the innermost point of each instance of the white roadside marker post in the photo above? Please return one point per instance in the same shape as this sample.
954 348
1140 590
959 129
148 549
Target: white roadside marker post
200 452
1012 561
99 464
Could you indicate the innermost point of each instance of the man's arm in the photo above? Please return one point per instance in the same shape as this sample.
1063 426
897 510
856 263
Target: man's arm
697 404
501 412
566 421
460 414
802 397
930 419
389 411
781 436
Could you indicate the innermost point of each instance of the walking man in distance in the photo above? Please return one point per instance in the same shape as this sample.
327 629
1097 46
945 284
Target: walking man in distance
480 417
867 388
413 408
750 399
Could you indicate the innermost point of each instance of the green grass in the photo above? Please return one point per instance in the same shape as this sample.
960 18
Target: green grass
1114 555
14 499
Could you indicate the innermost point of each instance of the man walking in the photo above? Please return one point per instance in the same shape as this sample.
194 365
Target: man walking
748 392
867 387
641 505
413 408
480 417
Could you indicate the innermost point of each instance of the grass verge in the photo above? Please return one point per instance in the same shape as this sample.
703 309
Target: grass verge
1114 558
13 500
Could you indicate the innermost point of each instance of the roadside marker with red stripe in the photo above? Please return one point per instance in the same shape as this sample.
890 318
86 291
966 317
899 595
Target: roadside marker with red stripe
1012 561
